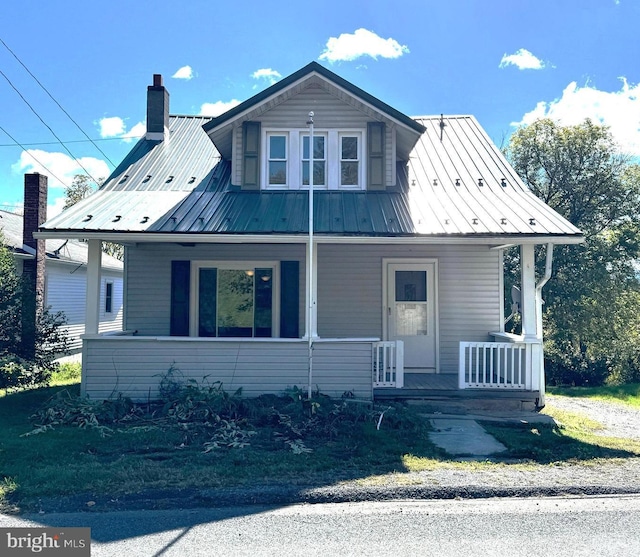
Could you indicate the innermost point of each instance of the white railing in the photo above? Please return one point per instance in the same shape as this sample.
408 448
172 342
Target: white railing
388 364
495 365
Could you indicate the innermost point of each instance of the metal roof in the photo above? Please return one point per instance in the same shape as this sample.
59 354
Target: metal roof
66 251
153 178
455 185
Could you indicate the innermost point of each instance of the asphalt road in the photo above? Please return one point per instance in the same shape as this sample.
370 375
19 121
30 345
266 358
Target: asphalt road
594 526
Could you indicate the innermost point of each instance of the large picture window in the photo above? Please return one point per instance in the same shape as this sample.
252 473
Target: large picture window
235 300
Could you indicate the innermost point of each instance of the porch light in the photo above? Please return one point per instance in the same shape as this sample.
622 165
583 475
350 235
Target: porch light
265 278
249 273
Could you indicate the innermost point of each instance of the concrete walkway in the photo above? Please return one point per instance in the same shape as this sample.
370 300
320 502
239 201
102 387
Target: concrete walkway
464 436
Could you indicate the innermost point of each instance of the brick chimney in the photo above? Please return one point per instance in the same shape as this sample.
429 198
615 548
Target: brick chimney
157 110
35 213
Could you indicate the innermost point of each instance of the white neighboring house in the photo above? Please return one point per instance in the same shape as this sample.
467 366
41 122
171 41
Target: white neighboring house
66 279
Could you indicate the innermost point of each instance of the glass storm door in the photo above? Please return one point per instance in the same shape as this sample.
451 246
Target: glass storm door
411 313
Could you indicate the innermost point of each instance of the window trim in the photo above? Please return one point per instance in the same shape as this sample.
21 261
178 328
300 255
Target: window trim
245 265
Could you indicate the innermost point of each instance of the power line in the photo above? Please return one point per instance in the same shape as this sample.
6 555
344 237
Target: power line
48 127
120 138
33 157
55 101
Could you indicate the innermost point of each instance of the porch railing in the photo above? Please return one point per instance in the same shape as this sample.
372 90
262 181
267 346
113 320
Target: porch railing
388 364
495 365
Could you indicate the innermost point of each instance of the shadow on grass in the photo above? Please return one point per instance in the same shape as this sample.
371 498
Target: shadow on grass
145 467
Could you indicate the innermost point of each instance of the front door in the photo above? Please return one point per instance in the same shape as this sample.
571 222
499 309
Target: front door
411 313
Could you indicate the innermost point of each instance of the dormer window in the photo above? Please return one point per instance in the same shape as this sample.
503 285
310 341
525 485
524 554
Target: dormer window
277 159
319 160
350 160
338 159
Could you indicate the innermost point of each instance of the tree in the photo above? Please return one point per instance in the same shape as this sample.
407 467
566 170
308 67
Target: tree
80 188
592 303
17 368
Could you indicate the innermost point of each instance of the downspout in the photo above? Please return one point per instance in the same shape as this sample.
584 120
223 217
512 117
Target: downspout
547 275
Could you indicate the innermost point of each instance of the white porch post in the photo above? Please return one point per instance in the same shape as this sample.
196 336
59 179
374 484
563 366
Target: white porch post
529 318
94 264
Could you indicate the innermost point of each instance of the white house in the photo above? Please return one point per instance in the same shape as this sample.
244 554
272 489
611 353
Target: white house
397 290
65 279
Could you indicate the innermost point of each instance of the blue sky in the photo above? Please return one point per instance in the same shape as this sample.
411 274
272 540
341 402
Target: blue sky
505 62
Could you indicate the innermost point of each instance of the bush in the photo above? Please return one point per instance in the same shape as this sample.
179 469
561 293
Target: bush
19 365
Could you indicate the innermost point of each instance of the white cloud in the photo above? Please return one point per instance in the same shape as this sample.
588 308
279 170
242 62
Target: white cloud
523 60
185 72
362 42
55 206
111 127
218 107
114 126
266 74
59 166
620 110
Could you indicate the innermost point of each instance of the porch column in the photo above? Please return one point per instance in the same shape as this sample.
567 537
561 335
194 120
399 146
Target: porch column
528 296
94 264
314 293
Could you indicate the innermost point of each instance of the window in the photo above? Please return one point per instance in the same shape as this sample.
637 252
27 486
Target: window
108 297
235 300
319 160
338 159
277 159
349 160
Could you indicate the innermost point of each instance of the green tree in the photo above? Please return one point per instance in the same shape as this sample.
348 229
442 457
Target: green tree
80 188
18 369
592 306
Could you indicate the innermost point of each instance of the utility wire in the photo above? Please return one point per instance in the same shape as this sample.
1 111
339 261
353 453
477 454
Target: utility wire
31 155
73 141
55 101
49 128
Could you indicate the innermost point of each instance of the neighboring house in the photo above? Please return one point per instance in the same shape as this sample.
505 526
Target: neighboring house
410 220
65 279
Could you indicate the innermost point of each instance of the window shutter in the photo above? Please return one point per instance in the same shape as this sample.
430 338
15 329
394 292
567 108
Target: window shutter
180 282
289 299
251 156
375 156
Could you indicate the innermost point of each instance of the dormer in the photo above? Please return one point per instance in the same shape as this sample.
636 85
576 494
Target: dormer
357 139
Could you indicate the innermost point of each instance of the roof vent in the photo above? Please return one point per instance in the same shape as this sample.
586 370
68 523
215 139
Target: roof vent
118 217
87 218
532 221
503 183
169 179
435 182
503 221
457 181
192 180
480 182
146 178
474 221
144 219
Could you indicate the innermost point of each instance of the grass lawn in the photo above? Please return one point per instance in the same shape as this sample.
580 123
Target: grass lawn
621 394
145 452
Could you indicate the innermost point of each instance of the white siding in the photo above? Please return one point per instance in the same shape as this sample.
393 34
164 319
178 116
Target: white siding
329 113
148 269
350 282
134 366
66 287
350 296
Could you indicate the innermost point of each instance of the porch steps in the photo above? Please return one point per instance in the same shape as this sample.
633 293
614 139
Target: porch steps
460 402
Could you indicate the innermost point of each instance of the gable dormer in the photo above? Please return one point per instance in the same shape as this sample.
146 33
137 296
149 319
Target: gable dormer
357 139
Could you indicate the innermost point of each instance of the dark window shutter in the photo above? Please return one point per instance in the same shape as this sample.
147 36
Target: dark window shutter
376 179
180 283
251 156
289 299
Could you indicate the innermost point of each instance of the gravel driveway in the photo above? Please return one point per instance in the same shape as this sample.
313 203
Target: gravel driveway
618 420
